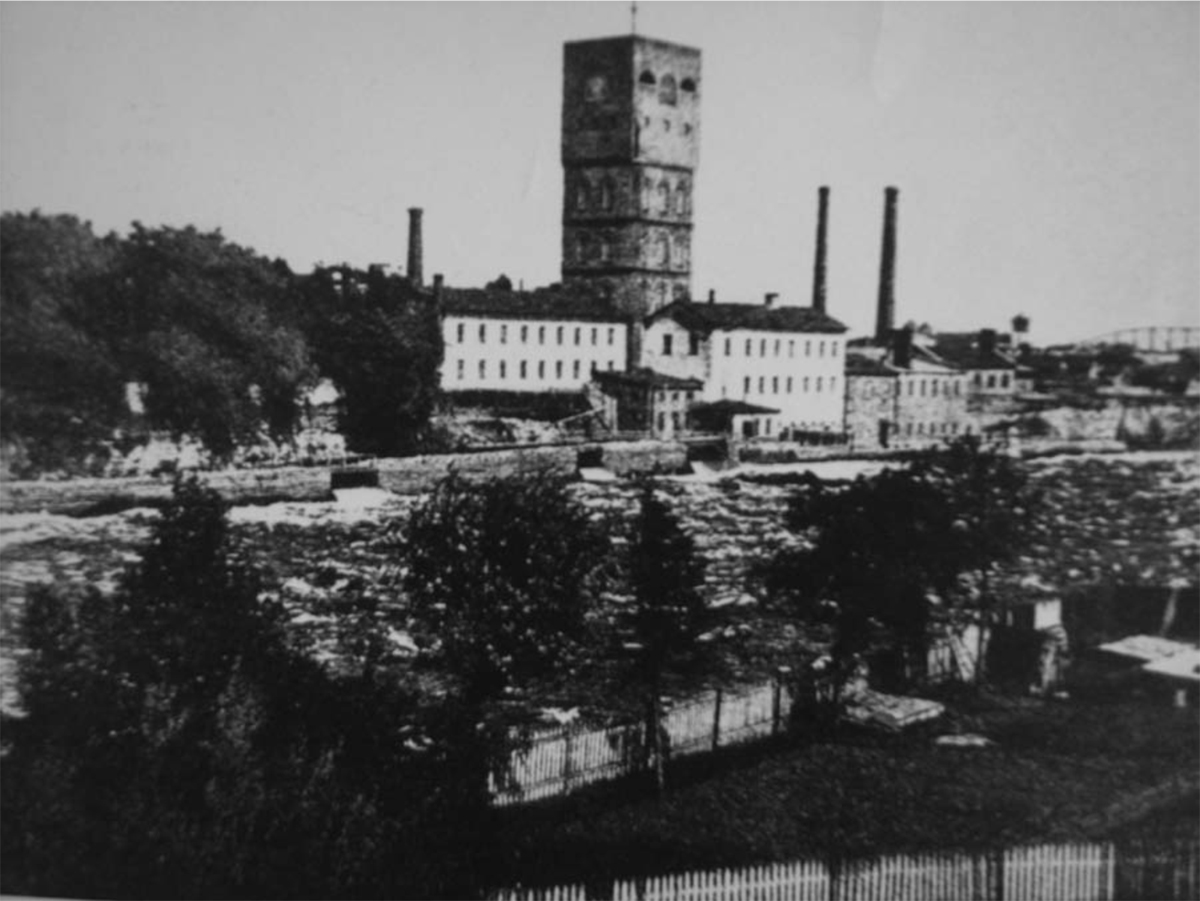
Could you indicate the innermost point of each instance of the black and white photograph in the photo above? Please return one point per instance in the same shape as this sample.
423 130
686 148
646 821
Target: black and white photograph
562 451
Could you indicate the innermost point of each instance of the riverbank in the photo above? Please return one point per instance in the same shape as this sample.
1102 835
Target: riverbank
417 475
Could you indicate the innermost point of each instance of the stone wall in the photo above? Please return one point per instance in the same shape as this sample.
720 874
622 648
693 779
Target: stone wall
869 400
402 475
76 496
1172 422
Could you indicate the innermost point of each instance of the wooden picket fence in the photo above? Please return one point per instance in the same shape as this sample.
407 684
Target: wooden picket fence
1064 872
562 760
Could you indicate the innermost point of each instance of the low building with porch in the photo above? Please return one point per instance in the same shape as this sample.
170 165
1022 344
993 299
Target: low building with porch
736 418
643 401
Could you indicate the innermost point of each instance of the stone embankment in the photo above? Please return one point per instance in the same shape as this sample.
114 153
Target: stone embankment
400 475
1061 429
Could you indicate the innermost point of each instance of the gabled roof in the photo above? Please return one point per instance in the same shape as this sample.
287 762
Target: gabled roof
647 378
711 317
857 364
542 303
877 361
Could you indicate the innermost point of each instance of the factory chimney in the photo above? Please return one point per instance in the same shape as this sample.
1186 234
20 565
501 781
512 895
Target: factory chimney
902 344
416 252
886 312
818 296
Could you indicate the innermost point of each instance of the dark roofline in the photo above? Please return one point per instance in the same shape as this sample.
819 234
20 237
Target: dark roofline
706 317
647 377
732 408
632 39
542 303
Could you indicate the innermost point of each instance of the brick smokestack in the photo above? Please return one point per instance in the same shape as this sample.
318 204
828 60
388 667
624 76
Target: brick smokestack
818 295
902 342
416 247
885 316
987 341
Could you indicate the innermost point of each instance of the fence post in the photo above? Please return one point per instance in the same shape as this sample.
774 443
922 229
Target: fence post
716 732
775 705
1000 875
568 752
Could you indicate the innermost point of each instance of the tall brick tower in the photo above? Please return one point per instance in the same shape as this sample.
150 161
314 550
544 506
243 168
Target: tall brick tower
630 141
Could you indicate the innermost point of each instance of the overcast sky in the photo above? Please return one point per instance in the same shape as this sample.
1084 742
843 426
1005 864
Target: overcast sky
1047 155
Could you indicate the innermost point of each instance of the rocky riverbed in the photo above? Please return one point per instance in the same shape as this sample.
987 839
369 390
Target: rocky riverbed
1130 517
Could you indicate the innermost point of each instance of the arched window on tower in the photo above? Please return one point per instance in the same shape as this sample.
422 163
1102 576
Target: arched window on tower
646 78
681 198
688 85
664 197
584 248
606 194
604 250
666 90
582 195
647 195
664 250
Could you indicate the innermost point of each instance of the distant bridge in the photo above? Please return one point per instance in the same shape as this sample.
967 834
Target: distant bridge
1153 338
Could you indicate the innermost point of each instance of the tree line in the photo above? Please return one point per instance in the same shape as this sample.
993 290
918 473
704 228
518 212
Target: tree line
225 342
177 740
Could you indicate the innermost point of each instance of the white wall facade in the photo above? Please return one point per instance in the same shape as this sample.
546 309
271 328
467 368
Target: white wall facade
798 373
534 355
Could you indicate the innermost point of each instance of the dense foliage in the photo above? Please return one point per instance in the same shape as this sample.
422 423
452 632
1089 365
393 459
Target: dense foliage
196 320
223 343
890 553
174 745
380 340
62 383
665 625
503 574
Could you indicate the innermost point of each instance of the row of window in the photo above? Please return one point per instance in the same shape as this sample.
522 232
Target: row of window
662 422
669 200
932 428
1004 379
765 347
806 384
560 334
668 93
668 345
932 387
659 250
523 369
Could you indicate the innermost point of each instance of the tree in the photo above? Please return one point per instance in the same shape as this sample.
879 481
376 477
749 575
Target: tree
62 382
889 554
380 340
174 745
665 624
198 320
502 576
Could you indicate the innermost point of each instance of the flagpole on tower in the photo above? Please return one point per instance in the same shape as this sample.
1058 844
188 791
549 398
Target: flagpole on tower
633 17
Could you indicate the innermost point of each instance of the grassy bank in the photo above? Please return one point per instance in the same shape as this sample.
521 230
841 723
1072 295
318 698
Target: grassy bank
1054 771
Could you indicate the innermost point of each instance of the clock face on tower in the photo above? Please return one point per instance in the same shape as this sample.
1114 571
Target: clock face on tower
596 89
